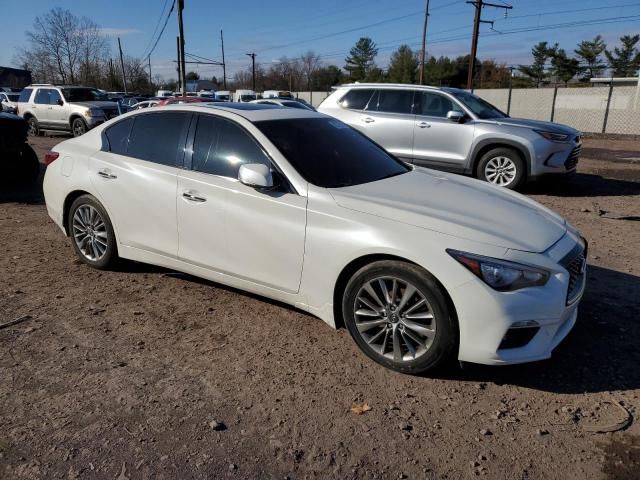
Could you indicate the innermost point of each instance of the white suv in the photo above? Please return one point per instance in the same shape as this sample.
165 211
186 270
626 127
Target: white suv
64 108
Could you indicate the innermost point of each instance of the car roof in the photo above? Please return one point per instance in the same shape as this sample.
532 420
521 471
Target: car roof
395 85
254 112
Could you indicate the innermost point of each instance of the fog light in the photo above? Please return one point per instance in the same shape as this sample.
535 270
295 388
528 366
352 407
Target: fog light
519 335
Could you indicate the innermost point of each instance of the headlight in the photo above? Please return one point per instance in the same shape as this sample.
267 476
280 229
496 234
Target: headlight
93 112
556 137
501 275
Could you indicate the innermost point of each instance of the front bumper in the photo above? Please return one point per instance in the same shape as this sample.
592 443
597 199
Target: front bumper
488 318
556 158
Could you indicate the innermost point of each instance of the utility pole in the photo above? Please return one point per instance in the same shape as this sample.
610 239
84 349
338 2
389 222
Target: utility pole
424 42
477 20
179 63
150 81
124 75
183 82
224 65
253 68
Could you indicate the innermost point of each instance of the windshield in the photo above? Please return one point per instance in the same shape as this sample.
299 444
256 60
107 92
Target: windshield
83 94
13 96
329 153
295 105
481 108
248 98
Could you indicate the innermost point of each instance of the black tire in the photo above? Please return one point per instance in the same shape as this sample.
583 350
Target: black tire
444 344
513 158
110 255
78 127
34 127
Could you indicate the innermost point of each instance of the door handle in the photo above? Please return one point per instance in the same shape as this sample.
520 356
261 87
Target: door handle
424 125
192 197
367 119
106 173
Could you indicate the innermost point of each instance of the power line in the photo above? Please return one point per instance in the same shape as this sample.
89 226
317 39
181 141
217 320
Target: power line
173 5
164 5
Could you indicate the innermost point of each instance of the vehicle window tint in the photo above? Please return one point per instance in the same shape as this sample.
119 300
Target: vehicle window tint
42 96
157 137
118 136
435 105
25 95
220 147
394 101
54 96
356 99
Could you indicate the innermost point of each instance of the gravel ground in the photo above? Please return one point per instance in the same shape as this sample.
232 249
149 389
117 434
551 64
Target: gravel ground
145 373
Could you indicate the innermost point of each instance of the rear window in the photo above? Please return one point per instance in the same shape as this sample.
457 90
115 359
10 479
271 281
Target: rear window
25 95
394 101
118 136
357 99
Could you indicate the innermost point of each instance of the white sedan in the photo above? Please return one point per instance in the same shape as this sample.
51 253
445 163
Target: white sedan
420 266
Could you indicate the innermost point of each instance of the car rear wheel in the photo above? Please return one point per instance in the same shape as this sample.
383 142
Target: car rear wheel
78 127
399 317
33 127
92 233
502 167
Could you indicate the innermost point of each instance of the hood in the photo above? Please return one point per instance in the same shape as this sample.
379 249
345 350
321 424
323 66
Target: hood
457 206
537 124
98 104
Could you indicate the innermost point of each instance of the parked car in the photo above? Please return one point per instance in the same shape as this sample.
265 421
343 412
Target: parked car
180 100
244 96
420 266
130 102
19 164
283 102
9 101
64 108
454 130
224 95
277 94
145 104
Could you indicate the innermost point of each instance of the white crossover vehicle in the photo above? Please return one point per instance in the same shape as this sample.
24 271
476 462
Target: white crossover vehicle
419 265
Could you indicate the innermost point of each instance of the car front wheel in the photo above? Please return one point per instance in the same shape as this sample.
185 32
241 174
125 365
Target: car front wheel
399 317
92 233
502 167
33 127
78 127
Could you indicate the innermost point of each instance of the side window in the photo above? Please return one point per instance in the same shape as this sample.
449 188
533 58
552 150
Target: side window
436 105
395 101
54 96
118 136
159 137
356 99
25 95
42 96
221 146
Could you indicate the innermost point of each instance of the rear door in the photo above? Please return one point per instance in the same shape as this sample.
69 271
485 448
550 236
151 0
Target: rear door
231 228
41 107
136 177
58 114
388 121
437 141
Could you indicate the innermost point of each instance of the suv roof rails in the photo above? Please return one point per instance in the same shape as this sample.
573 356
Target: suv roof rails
41 85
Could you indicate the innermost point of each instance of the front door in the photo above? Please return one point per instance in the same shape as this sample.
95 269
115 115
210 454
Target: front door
437 141
231 228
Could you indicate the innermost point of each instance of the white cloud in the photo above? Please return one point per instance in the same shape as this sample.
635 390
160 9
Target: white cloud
117 32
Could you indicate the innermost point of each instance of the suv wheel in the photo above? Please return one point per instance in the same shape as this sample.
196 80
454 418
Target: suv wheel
92 233
502 167
399 317
78 127
34 128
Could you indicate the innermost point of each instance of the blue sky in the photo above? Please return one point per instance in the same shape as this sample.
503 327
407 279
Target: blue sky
287 27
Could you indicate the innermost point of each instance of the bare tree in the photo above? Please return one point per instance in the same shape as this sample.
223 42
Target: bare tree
309 65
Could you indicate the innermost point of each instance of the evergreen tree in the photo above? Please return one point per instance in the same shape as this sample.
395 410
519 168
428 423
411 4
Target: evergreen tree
625 61
192 76
360 61
589 52
563 67
541 53
403 66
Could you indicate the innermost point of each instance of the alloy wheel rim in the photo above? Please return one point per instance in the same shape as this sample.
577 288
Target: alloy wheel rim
500 171
90 232
32 129
78 129
394 319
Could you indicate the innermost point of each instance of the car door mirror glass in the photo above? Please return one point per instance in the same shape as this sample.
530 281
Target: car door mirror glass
256 175
455 116
60 102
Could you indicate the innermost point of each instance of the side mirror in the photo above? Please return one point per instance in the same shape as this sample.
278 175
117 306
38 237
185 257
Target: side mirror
60 102
455 116
255 175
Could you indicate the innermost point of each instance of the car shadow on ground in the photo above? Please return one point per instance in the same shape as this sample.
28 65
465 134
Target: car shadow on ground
600 354
622 183
30 194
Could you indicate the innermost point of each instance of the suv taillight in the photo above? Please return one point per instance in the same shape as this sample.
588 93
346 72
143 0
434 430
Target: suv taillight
50 156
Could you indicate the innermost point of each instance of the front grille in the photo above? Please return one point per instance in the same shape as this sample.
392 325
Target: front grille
576 264
572 160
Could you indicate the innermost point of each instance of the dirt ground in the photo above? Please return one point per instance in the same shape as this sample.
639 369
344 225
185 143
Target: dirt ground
124 374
